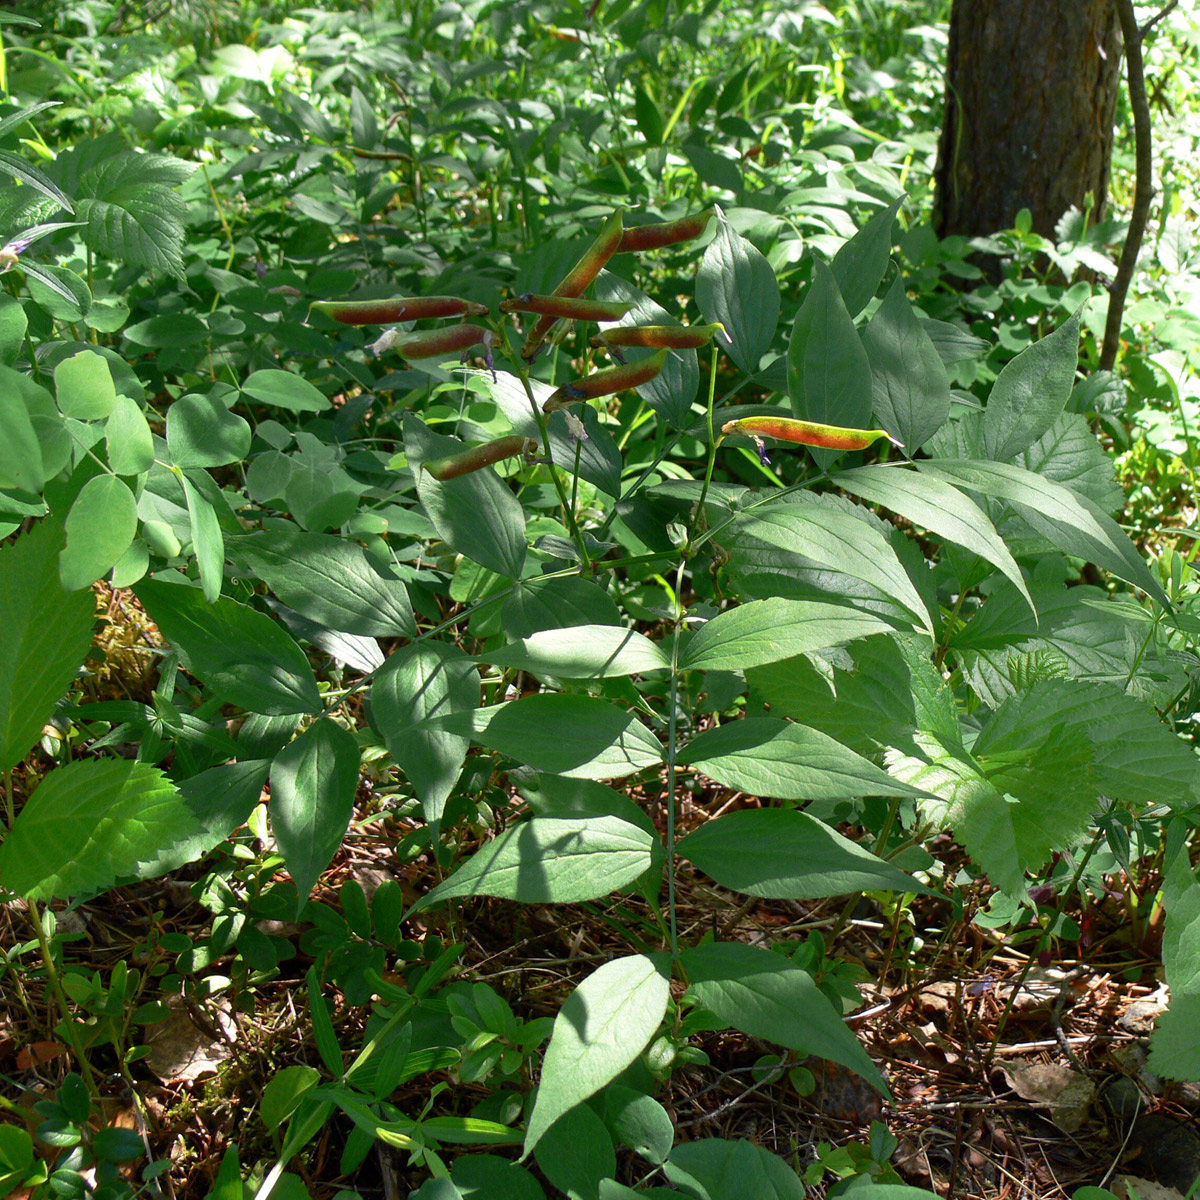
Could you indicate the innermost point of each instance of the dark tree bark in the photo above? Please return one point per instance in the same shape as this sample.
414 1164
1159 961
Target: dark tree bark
1030 99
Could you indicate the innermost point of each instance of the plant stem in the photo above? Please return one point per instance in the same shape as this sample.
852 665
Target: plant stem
672 740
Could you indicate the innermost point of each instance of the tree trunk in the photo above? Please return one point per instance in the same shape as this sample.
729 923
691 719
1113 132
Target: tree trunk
1030 98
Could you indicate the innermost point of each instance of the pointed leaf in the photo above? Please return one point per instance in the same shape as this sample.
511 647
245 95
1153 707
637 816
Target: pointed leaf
1031 392
765 631
764 756
421 682
829 376
910 391
722 1169
284 389
931 502
20 451
576 1154
47 632
208 542
768 996
1070 522
736 286
784 854
551 860
602 1027
241 654
861 263
331 581
313 781
582 652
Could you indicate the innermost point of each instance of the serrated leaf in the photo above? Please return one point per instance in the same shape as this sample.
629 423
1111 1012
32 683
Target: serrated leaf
780 853
910 392
100 526
768 996
1031 392
602 1027
1069 453
765 631
582 652
313 781
420 683
241 654
736 286
331 581
39 657
551 860
88 824
764 756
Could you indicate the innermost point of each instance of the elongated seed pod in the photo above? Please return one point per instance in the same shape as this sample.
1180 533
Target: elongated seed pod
476 457
428 342
807 433
579 278
606 382
674 337
570 308
667 233
399 308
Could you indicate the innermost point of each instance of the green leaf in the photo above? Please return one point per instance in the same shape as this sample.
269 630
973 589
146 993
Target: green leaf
779 853
639 1122
20 451
1031 392
736 286
476 515
1070 522
47 632
284 389
490 1177
721 1169
931 502
768 996
202 432
100 526
601 1028
131 210
208 542
826 544
829 376
128 437
673 390
83 385
910 392
242 655
283 1092
1069 453
329 580
582 652
578 736
765 756
551 860
1174 1048
87 825
420 683
13 326
313 781
556 603
576 1154
765 631
861 263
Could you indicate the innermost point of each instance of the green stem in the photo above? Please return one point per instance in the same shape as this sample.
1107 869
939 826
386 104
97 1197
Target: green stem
9 815
672 740
713 443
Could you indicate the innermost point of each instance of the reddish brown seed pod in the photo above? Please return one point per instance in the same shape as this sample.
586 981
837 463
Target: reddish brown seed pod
569 308
578 278
606 382
399 308
667 233
449 340
475 458
674 337
807 433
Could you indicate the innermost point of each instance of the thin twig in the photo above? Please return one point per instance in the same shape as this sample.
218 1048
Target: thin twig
1143 188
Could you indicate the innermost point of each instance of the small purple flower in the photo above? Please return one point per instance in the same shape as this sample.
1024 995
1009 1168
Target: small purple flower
260 268
762 452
